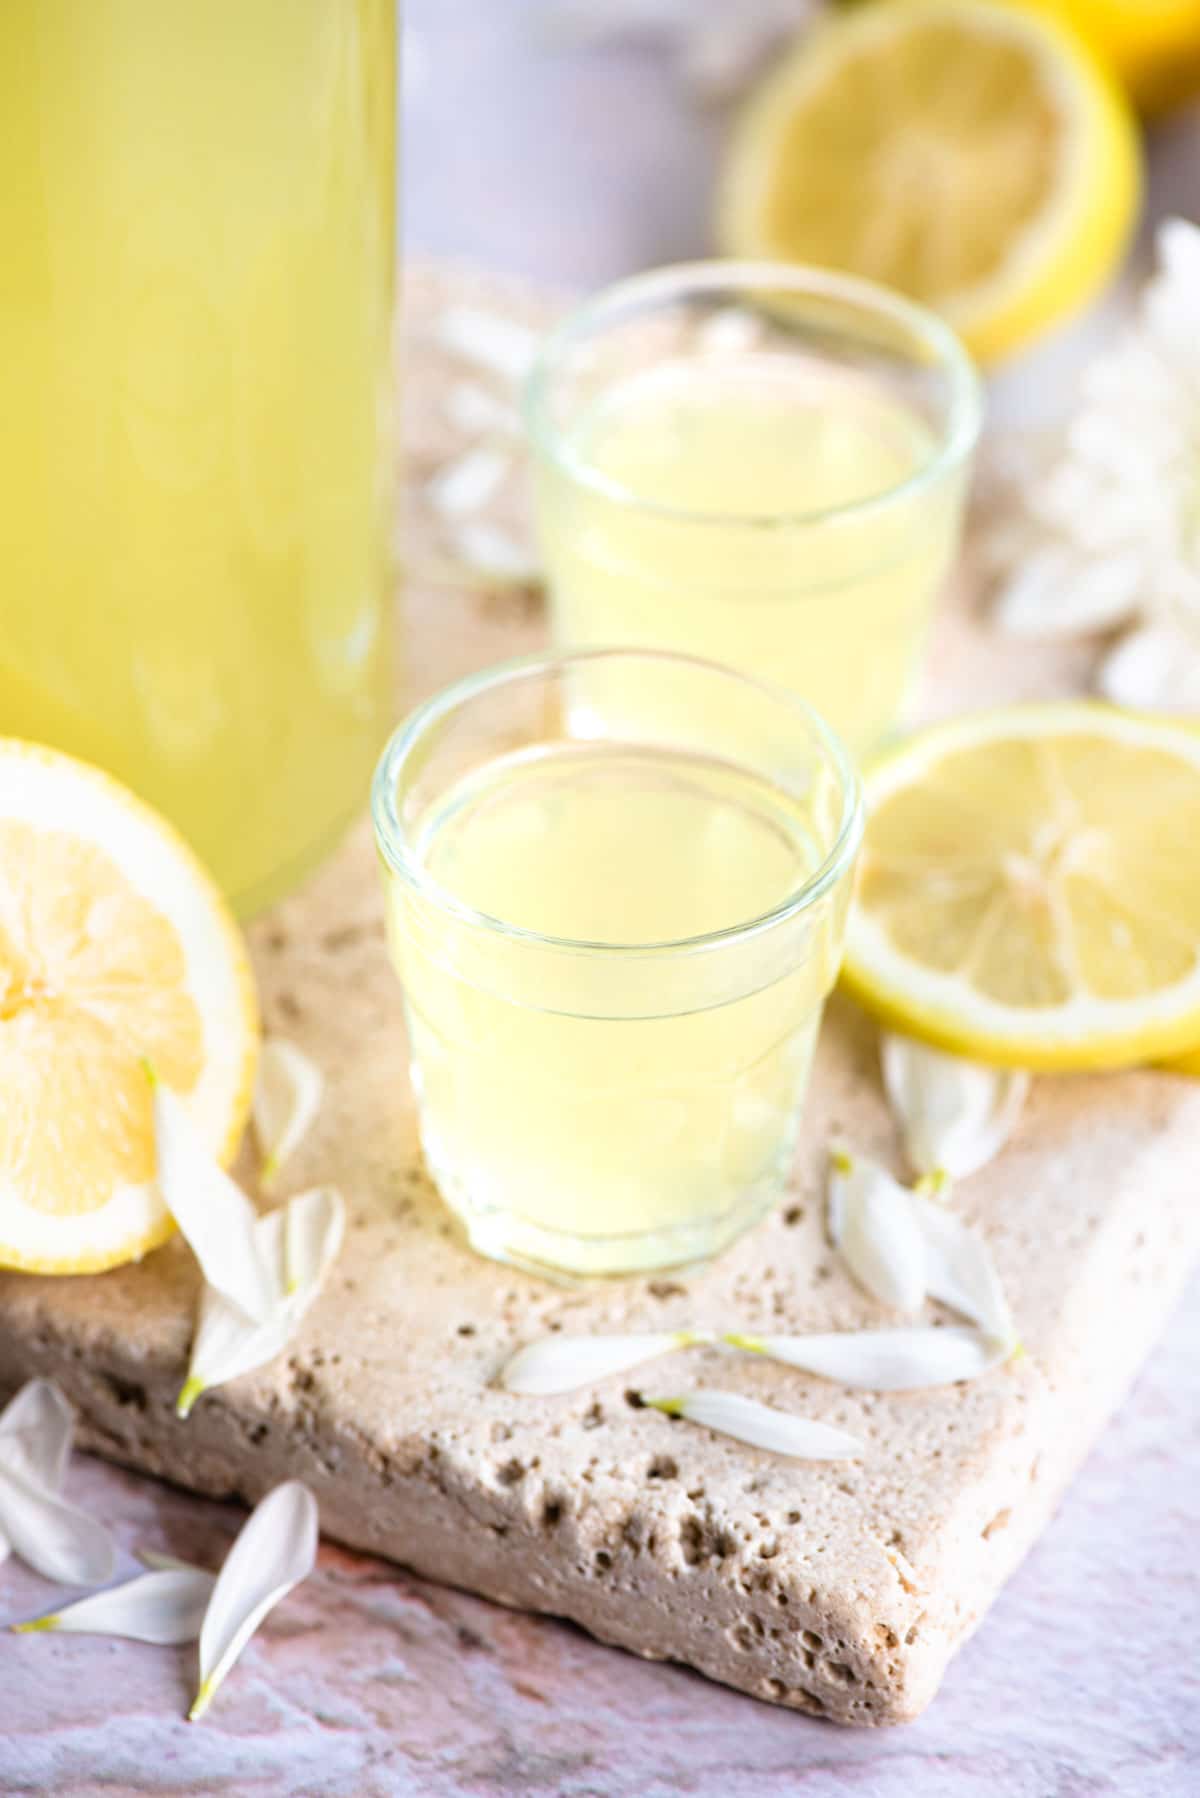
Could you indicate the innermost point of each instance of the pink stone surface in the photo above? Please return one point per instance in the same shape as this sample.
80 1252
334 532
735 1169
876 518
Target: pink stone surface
1085 1678
368 1683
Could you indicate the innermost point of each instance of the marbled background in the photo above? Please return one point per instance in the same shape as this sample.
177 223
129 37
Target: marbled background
1085 1678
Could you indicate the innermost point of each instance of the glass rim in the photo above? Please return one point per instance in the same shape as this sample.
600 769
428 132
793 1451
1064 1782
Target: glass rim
735 277
392 838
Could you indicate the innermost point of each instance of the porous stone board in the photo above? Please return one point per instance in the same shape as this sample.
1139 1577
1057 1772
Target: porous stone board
837 1589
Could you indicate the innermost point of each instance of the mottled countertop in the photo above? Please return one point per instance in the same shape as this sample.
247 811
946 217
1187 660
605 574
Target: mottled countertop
1085 1677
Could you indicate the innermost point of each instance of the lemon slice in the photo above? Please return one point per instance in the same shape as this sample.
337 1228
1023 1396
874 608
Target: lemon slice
976 156
116 949
1029 891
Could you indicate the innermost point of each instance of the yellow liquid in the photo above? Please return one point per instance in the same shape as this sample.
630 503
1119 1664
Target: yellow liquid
595 1111
723 559
194 321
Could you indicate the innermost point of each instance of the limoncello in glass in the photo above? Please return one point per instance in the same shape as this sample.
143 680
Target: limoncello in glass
760 465
614 952
195 309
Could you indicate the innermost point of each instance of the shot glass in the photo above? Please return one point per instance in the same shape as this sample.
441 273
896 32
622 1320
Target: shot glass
761 464
614 947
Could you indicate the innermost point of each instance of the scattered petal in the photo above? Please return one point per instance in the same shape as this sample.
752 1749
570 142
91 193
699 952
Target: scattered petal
955 1115
467 483
872 1224
164 1607
883 1360
488 341
486 550
36 1427
1155 669
960 1271
477 412
213 1212
560 1363
295 1245
52 1536
761 1426
287 1097
275 1550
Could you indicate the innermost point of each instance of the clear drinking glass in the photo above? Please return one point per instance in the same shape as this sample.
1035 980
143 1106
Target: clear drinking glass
759 463
614 945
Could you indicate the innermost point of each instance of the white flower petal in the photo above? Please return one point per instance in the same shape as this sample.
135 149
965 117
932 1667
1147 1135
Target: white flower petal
228 1344
287 1097
954 1115
476 412
1155 669
883 1360
872 1224
960 1271
761 1426
488 341
52 1536
467 483
314 1224
163 1607
1057 592
298 1244
213 1212
275 1550
561 1363
486 550
36 1427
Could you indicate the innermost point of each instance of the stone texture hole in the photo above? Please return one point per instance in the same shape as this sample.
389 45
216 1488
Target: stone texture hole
662 1468
839 1674
126 1393
510 1473
999 1522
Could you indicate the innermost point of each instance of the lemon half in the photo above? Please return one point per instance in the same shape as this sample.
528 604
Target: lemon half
116 949
976 156
1029 892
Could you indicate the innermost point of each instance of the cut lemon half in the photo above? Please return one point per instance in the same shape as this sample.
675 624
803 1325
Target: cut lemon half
975 155
1029 890
116 951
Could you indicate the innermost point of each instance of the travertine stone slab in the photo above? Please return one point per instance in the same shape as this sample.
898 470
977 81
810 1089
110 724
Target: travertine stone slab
839 1589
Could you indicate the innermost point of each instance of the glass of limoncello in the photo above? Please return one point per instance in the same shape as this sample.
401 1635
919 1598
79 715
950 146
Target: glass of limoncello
615 944
195 322
761 464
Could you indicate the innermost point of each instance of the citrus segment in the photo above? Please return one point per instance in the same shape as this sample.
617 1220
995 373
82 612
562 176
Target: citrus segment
1029 889
116 950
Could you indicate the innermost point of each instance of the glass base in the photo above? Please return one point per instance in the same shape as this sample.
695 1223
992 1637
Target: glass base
555 1254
